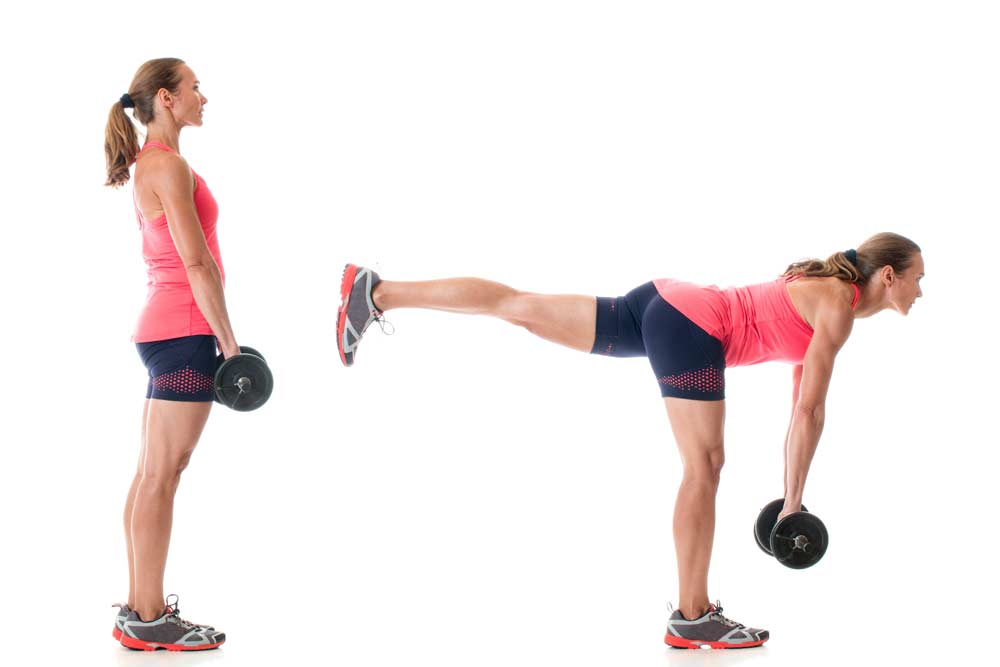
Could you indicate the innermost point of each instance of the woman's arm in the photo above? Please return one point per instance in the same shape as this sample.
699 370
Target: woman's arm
832 328
796 381
173 185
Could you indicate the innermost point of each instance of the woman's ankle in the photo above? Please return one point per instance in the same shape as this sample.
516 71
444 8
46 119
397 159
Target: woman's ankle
380 297
147 614
694 611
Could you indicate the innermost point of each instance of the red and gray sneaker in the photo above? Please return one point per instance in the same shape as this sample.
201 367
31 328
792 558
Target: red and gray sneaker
123 612
712 629
169 631
357 310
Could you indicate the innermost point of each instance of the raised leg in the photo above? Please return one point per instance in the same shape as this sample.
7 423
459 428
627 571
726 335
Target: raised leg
565 319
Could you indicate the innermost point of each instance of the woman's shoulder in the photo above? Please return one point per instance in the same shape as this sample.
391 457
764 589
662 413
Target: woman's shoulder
814 296
162 168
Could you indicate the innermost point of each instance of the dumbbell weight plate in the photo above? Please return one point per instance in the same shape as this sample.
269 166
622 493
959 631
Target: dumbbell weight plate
244 349
765 522
799 540
257 382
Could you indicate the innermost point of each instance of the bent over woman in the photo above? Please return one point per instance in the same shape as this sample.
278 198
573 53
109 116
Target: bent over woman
690 334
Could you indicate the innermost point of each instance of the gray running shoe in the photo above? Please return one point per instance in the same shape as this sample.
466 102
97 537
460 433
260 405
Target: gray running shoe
169 632
712 629
123 612
357 310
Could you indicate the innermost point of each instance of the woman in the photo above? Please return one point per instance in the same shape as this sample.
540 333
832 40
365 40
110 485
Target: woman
690 334
184 316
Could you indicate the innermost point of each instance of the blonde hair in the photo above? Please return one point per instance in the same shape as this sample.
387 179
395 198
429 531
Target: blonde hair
121 141
885 249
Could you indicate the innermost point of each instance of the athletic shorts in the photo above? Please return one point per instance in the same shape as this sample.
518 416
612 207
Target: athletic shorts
687 361
180 369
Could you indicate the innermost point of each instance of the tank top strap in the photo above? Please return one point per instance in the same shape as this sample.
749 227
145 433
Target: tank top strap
157 144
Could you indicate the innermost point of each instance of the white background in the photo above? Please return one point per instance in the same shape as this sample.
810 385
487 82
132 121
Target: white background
467 494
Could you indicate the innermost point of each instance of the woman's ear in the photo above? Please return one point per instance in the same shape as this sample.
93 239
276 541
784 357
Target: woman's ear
166 99
888 275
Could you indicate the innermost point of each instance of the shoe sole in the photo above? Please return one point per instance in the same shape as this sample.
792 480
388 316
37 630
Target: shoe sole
346 285
117 634
139 645
680 642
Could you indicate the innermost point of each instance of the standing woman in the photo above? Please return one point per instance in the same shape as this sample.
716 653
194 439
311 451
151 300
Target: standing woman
690 334
176 335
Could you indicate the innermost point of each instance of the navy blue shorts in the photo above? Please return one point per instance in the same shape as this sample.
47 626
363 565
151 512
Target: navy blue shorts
687 361
180 369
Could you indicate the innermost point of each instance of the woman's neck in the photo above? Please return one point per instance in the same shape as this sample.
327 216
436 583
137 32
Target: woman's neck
168 136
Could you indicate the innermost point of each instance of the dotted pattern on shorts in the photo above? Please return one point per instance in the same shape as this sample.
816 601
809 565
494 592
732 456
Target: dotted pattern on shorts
184 381
706 380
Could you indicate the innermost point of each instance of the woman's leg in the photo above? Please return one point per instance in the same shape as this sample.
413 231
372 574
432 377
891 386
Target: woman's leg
569 320
130 503
171 432
698 428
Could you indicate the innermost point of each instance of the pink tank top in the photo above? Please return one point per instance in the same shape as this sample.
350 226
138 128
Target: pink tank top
170 310
755 323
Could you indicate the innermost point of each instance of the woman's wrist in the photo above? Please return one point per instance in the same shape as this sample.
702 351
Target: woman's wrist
229 348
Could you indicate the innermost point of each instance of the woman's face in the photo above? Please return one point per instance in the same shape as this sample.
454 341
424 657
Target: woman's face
904 288
187 104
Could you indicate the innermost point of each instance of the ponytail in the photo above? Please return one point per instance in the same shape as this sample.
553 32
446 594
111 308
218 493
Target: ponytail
857 266
121 145
121 141
837 265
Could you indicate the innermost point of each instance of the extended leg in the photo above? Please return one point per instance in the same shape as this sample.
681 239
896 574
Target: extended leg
565 319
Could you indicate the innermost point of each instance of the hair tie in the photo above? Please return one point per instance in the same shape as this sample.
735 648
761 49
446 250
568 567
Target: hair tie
852 256
126 101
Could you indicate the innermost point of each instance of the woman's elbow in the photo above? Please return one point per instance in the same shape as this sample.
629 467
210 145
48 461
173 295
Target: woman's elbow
200 268
815 412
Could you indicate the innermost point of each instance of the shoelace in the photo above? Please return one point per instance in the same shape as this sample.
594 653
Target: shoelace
379 319
717 616
174 611
187 625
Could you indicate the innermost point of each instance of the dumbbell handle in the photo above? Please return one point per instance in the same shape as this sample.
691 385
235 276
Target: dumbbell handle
801 541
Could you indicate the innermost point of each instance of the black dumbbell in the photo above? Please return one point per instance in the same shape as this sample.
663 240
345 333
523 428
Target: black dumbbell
243 382
797 541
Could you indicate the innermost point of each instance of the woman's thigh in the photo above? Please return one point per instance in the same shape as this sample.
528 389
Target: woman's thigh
699 429
173 429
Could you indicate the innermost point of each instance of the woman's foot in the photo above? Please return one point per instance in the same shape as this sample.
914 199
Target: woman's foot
169 632
357 309
711 629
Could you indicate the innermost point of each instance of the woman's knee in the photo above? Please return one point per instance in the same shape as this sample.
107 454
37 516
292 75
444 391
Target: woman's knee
518 308
183 461
706 466
165 472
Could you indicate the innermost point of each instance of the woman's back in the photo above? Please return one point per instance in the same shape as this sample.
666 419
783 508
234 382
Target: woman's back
755 323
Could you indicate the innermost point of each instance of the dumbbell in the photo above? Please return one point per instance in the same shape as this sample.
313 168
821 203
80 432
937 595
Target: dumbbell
797 541
243 382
